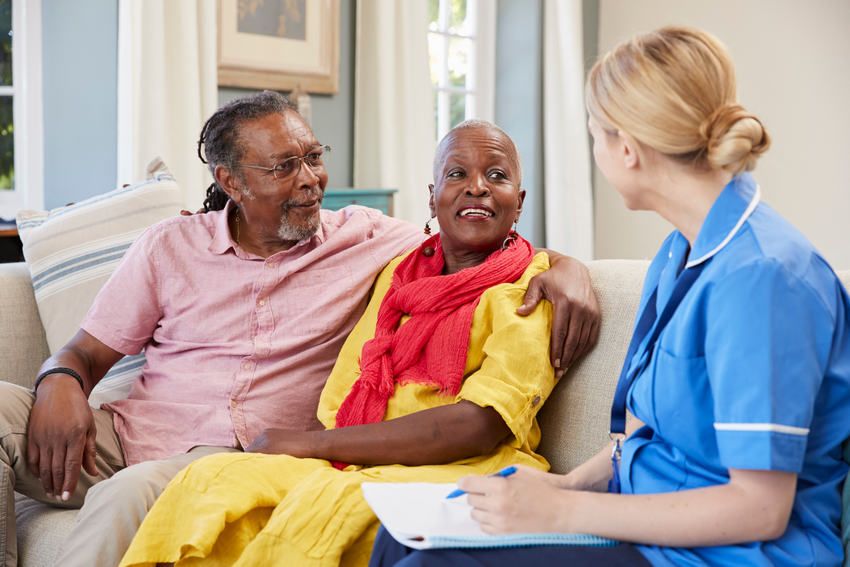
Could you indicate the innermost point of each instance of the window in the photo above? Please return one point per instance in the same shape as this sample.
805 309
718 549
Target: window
20 106
461 45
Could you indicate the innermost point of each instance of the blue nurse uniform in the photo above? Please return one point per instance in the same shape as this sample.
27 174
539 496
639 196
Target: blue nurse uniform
752 372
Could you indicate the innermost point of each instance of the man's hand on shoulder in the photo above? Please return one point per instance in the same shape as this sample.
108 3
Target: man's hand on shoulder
61 436
576 314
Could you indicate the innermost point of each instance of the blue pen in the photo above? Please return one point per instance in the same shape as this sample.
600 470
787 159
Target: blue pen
507 471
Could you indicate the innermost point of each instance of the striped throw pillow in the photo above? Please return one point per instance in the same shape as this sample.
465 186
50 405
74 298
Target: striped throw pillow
71 252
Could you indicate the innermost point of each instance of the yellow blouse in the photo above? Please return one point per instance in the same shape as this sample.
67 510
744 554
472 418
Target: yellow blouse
507 364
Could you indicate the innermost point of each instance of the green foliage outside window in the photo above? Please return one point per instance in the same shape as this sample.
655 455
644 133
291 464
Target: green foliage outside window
7 126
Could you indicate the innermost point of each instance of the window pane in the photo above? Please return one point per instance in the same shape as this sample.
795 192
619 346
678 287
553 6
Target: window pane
457 19
5 42
433 13
7 144
444 123
457 109
459 51
436 51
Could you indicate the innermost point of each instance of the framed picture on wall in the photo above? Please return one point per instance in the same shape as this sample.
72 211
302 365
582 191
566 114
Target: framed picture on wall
279 44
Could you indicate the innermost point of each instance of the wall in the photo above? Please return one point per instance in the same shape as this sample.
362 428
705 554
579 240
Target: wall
792 60
333 116
80 54
80 100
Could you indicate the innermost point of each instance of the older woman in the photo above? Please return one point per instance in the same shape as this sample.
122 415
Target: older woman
739 368
440 378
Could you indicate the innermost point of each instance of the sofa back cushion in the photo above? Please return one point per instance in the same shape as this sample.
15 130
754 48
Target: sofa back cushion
71 252
575 419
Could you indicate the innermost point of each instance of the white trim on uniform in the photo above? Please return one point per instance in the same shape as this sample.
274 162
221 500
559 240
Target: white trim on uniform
750 208
772 427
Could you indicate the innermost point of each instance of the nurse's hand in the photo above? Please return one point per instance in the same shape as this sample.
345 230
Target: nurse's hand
529 501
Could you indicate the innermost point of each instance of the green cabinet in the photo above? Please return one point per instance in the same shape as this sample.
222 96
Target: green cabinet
381 199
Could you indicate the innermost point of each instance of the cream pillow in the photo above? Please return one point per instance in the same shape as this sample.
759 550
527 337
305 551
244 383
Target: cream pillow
71 252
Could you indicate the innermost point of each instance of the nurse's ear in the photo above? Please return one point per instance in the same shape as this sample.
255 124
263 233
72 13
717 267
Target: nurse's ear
629 150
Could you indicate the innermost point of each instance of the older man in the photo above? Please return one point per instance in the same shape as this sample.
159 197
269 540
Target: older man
241 313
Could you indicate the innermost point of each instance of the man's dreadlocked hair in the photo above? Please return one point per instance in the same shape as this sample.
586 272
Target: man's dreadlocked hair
219 143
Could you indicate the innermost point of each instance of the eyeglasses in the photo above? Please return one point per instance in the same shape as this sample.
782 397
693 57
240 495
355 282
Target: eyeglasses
290 167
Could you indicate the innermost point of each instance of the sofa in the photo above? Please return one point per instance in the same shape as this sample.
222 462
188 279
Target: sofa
574 420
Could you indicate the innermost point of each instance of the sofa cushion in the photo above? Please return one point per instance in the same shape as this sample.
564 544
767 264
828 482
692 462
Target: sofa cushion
41 531
22 344
575 419
71 252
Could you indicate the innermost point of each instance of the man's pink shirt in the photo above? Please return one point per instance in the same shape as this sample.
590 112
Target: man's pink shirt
235 343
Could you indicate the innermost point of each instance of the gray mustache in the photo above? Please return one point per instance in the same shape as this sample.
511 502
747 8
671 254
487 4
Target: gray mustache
309 197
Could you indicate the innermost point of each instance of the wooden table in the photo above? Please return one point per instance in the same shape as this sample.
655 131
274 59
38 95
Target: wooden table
11 249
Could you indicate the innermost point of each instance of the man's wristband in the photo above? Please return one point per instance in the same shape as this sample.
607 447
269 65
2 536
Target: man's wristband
59 370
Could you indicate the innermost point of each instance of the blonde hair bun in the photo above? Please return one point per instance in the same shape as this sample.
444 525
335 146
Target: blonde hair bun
674 91
734 138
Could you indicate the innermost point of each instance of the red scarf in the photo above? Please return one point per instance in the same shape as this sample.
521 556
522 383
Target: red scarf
431 347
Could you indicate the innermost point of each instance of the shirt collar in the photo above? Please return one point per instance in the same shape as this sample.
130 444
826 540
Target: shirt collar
223 241
728 214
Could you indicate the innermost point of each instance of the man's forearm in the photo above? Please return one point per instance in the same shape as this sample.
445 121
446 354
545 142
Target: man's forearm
66 358
86 356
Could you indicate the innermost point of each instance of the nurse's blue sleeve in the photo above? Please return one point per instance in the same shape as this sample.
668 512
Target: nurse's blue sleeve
766 348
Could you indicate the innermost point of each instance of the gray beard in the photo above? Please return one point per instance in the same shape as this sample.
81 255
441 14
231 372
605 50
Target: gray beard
293 233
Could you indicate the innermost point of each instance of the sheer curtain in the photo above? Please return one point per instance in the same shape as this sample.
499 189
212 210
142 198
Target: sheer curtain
393 109
167 87
566 160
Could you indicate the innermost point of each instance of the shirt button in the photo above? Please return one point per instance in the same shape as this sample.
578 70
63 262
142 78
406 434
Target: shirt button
535 401
246 365
261 302
233 404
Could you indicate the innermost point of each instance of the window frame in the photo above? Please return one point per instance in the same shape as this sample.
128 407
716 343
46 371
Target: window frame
480 98
26 93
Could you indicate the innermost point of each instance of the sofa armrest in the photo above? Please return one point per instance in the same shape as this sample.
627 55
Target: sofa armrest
23 346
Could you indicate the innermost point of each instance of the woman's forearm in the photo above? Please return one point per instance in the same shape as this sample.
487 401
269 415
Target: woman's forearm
754 507
593 474
433 436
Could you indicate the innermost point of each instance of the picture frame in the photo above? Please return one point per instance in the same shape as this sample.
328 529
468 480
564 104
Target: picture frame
279 45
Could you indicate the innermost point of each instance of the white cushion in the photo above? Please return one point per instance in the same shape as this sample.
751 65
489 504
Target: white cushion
71 252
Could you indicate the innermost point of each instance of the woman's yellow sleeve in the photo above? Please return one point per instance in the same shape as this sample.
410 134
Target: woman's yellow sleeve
515 376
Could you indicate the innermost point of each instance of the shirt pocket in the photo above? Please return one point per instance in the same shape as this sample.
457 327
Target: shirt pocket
317 302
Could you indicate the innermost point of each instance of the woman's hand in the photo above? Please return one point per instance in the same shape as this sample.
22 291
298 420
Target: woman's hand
283 442
576 316
753 506
529 501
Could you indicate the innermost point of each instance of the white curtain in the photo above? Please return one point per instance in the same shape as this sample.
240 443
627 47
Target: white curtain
566 160
393 108
167 88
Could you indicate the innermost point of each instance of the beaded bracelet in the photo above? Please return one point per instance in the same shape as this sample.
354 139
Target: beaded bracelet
58 370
